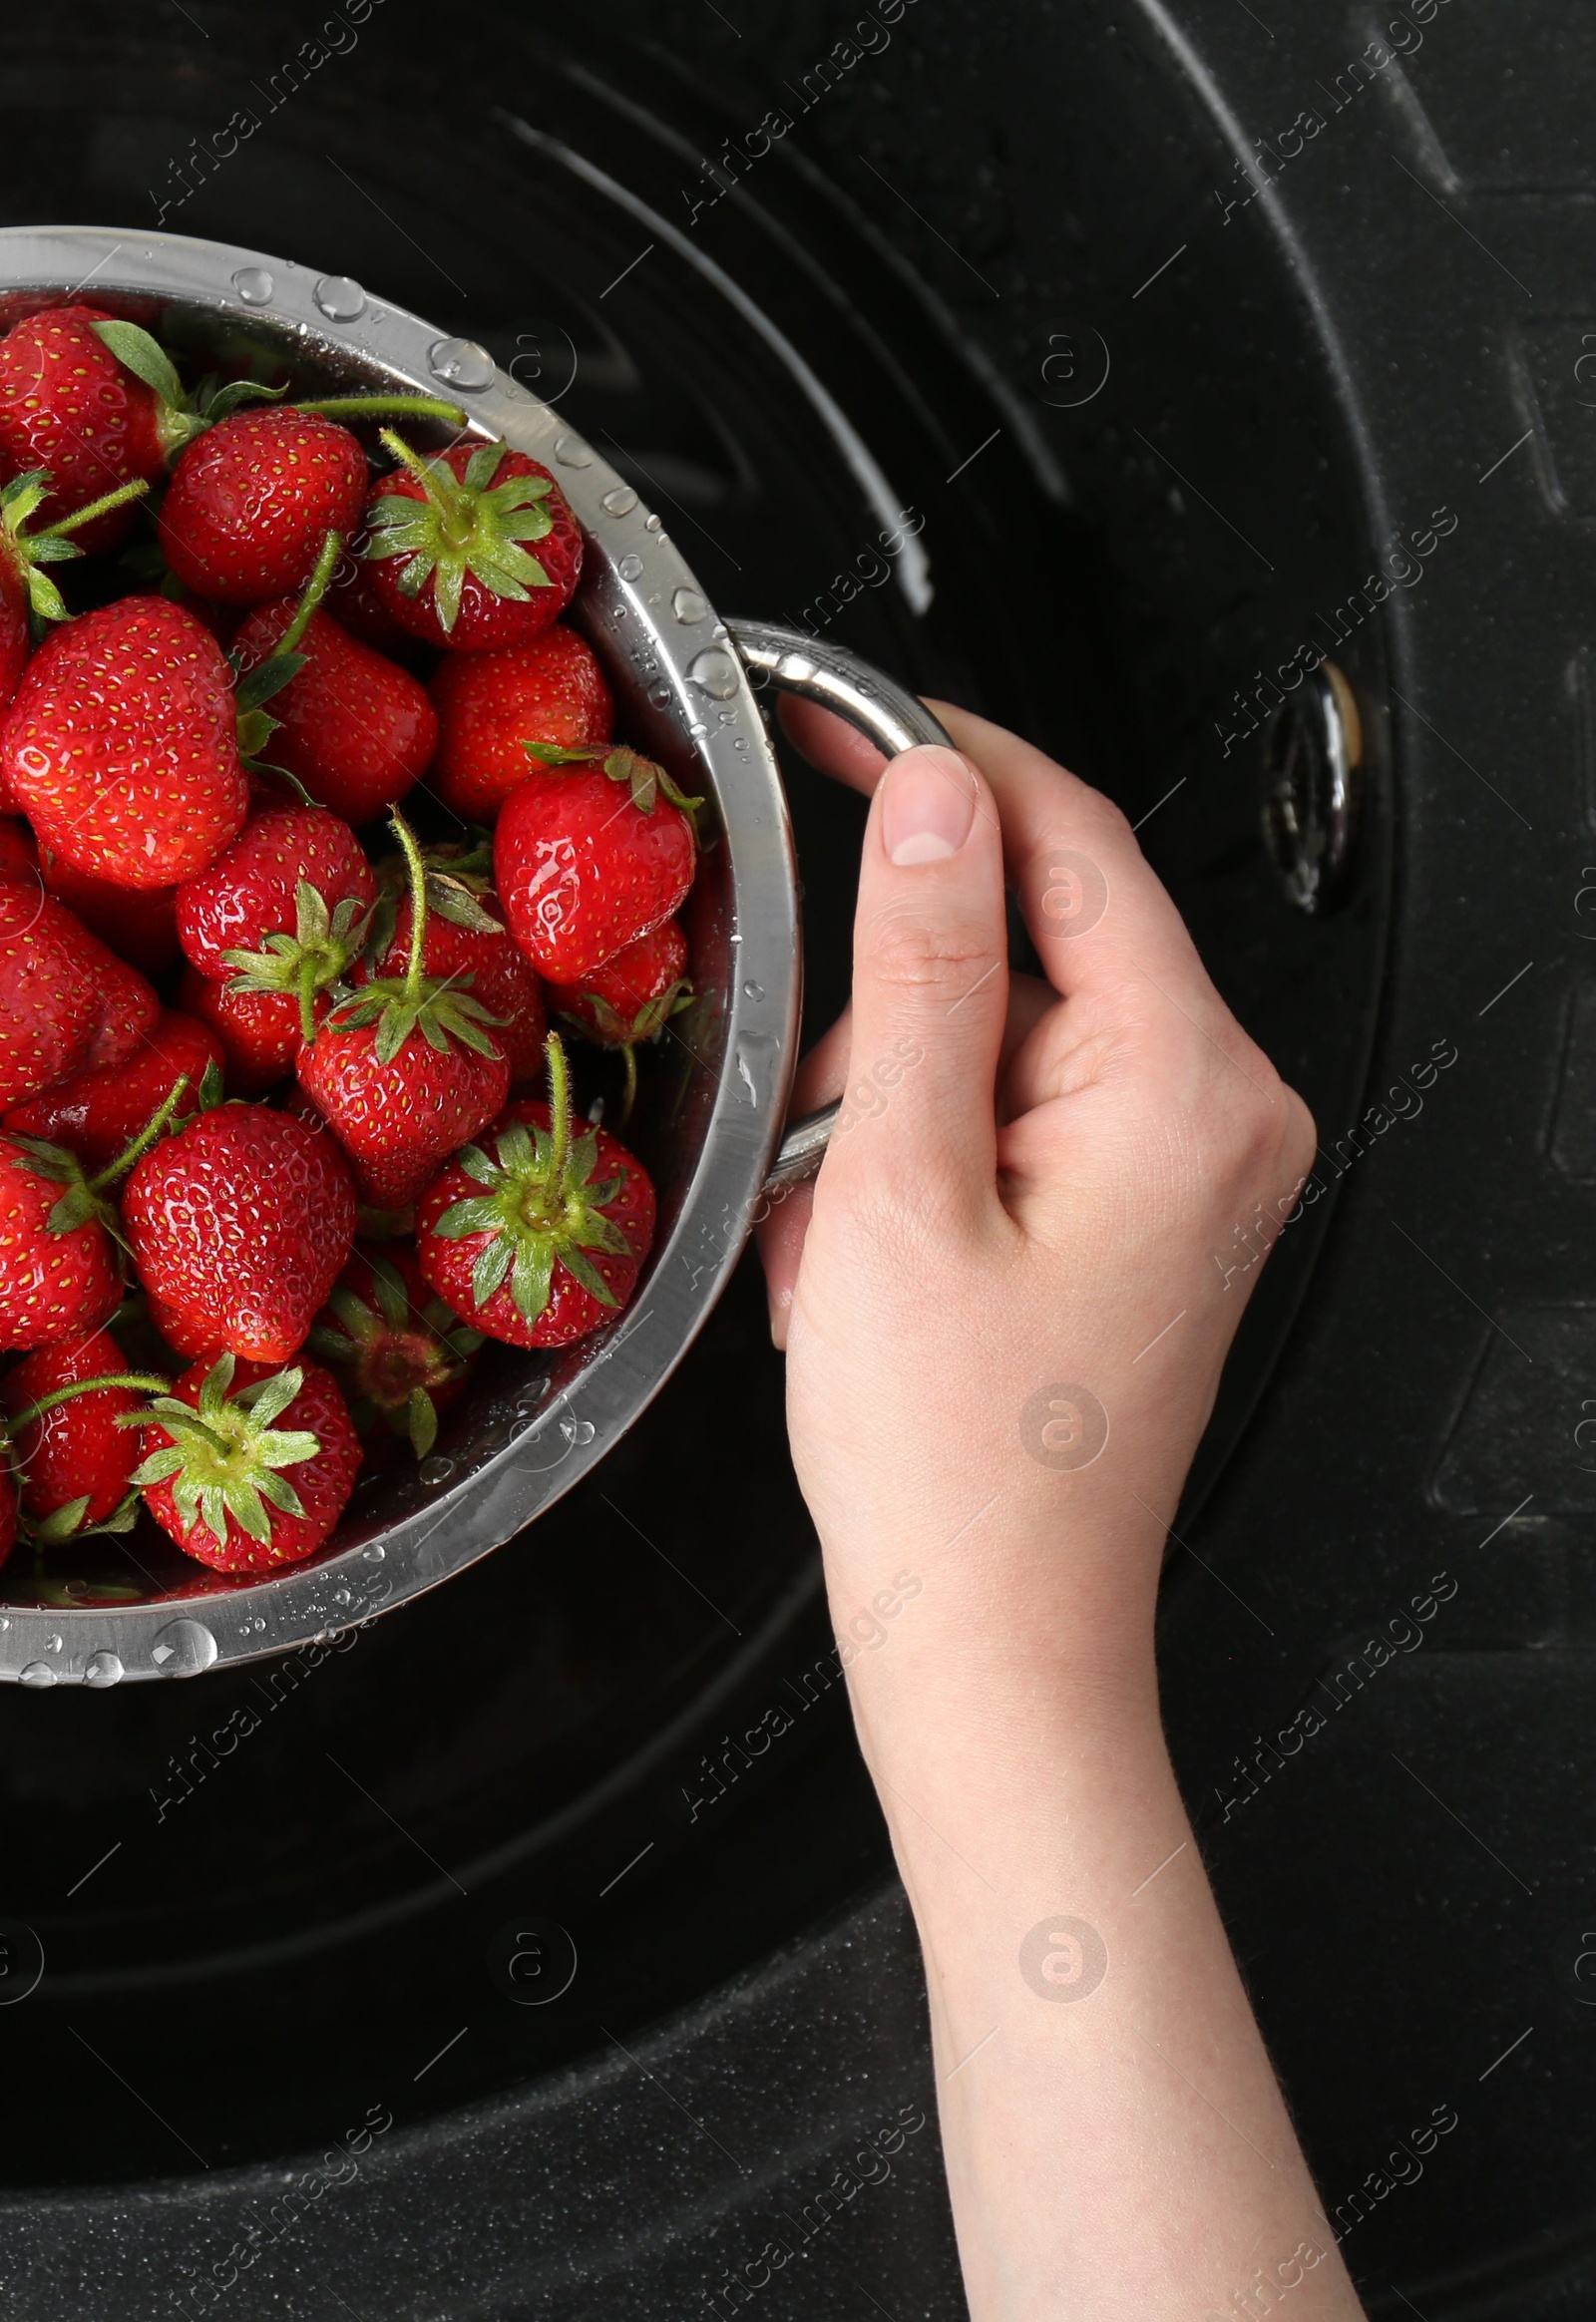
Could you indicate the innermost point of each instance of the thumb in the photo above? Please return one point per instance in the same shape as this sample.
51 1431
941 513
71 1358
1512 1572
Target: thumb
931 986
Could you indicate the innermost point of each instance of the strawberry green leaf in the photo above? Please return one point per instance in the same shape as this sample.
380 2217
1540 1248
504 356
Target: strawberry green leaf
139 353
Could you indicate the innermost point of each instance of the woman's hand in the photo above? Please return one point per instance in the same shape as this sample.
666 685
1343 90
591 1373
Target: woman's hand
1006 1304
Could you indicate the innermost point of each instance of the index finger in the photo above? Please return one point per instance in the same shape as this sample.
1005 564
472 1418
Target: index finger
1095 907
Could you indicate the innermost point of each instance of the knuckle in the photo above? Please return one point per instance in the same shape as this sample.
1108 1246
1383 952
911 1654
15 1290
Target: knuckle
917 958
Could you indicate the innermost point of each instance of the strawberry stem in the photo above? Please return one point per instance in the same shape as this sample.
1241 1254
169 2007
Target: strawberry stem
560 1111
315 591
628 1098
418 903
383 407
100 507
147 1136
137 1382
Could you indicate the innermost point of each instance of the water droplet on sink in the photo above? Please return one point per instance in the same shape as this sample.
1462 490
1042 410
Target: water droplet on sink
687 606
38 1673
102 1669
571 452
460 362
753 991
621 502
630 568
253 286
436 1470
376 1552
577 1430
341 298
715 673
183 1649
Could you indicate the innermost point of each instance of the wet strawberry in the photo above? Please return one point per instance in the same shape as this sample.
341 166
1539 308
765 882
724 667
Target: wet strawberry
465 944
534 1234
258 1032
402 1356
122 744
28 596
356 729
70 407
251 500
406 1069
473 549
591 857
247 1466
67 1005
630 999
491 705
96 1113
62 1406
58 1268
139 924
239 1226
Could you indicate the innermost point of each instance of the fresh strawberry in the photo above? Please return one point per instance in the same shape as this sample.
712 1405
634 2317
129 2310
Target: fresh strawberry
122 744
630 998
356 729
27 593
239 1226
490 705
465 943
259 1031
449 545
61 1405
95 1114
354 604
568 1218
57 1268
282 909
19 856
139 924
405 1070
251 500
247 1466
71 408
588 858
402 1355
67 1005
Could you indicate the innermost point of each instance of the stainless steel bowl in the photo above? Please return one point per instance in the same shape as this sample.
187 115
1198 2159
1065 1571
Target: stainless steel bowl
532 1425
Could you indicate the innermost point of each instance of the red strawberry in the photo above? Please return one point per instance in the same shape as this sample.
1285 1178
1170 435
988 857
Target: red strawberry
590 857
251 500
490 705
19 856
58 1269
452 540
354 729
281 911
406 1069
258 1032
136 922
75 1461
465 939
27 592
568 1218
247 1466
354 601
96 1114
67 1005
403 1355
239 1226
70 407
122 744
630 998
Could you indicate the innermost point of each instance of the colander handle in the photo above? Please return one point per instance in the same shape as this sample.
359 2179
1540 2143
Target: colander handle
893 719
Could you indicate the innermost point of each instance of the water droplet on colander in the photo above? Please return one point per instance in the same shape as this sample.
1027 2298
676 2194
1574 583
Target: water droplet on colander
621 502
688 605
753 991
721 632
571 452
652 523
659 695
436 1470
341 298
54 1643
577 1430
715 673
5 1621
102 1669
342 1596
460 362
376 1552
183 1649
630 568
253 286
755 1052
38 1673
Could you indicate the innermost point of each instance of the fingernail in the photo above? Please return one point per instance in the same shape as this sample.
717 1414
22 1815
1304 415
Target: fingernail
928 805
